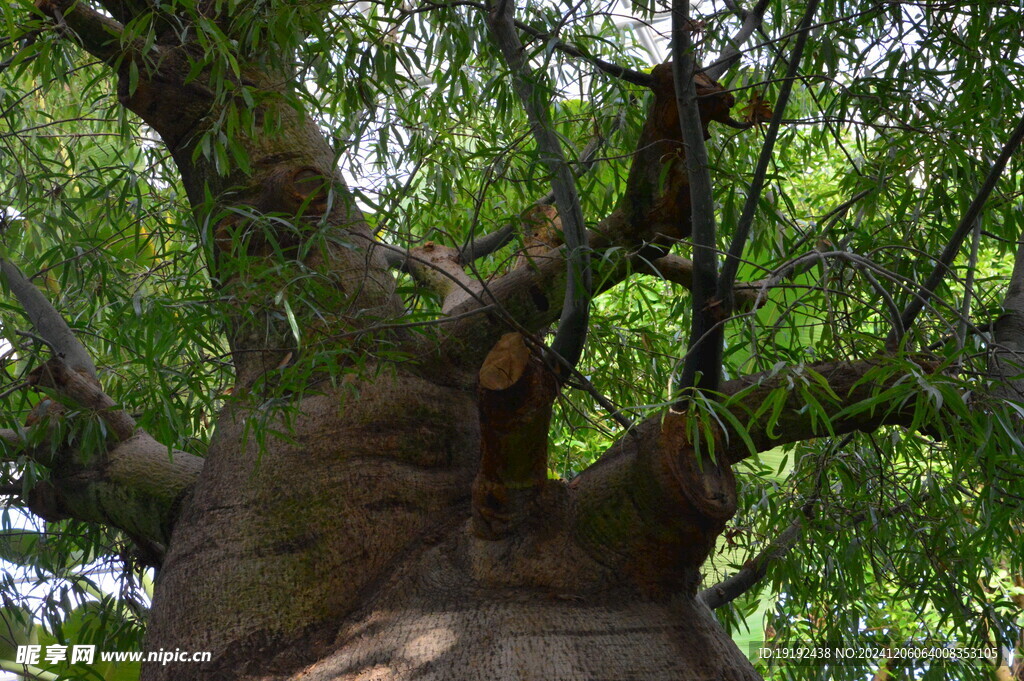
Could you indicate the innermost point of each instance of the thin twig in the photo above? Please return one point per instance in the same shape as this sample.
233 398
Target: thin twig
475 249
972 266
26 42
623 72
15 387
890 304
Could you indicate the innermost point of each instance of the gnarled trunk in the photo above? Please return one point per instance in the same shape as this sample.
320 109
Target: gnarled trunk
349 552
392 520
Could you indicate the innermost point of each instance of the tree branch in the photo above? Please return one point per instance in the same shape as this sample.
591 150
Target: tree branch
438 268
967 221
752 20
739 240
12 438
487 244
622 72
59 376
851 382
679 270
652 503
26 41
972 268
753 571
475 249
516 392
526 293
573 323
98 34
704 352
136 484
654 210
13 489
47 321
126 10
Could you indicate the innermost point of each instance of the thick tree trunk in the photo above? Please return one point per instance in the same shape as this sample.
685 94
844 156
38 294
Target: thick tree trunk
370 507
344 537
440 621
349 553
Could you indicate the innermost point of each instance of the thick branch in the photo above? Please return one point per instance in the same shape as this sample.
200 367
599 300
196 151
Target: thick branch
98 34
57 375
652 507
487 244
655 209
752 20
516 392
126 10
438 268
47 321
850 382
651 498
135 485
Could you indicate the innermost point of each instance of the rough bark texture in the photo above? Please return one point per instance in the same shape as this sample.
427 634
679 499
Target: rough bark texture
324 551
443 622
276 544
341 537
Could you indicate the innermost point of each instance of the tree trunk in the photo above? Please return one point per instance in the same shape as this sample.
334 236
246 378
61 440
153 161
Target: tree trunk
344 547
321 558
354 533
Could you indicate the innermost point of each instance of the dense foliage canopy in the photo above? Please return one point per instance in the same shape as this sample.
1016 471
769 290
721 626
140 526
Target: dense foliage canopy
902 535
